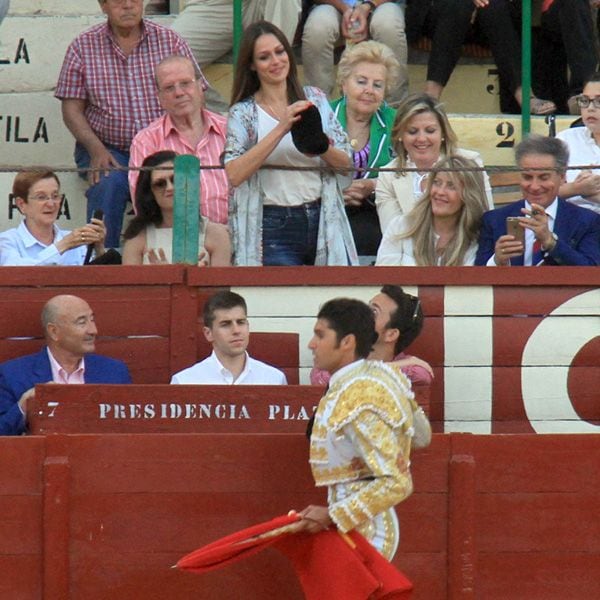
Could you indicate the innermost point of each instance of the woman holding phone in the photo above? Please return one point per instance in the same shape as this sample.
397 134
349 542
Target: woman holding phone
38 241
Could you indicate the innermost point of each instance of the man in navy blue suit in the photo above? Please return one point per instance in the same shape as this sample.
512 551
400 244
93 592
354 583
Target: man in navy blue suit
70 331
556 232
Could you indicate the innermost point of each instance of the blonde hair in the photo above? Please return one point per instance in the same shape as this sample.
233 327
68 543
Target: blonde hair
417 104
369 52
420 218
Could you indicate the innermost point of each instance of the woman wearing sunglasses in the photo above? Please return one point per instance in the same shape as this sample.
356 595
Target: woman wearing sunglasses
38 241
149 236
583 186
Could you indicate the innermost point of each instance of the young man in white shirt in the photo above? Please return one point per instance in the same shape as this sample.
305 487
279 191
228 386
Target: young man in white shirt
226 328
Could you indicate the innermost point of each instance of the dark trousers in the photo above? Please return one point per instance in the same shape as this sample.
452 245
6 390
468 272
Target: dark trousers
110 194
564 41
448 24
366 230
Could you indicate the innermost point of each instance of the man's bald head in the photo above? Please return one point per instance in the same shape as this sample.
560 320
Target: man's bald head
69 325
58 305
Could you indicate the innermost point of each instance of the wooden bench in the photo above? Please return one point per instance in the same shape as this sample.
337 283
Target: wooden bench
505 187
146 317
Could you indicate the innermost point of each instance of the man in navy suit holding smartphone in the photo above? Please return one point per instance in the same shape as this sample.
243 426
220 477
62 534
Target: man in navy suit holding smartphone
70 331
556 232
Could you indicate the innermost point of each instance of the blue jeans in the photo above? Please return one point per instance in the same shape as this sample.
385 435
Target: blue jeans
111 193
290 234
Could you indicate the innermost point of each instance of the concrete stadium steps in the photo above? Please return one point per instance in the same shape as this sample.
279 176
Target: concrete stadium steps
32 133
473 88
54 7
32 48
494 136
33 41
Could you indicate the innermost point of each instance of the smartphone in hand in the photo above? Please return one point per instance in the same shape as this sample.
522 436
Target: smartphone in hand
514 228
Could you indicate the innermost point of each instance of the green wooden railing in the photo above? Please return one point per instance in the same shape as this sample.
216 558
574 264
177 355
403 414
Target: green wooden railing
186 222
186 218
237 29
526 68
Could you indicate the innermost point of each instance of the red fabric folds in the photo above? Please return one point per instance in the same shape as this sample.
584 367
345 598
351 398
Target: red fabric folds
330 565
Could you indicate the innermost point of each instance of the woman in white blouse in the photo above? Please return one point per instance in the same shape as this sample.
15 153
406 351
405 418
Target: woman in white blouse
282 217
443 227
422 136
38 241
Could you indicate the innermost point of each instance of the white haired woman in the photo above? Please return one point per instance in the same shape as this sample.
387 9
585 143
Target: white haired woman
366 74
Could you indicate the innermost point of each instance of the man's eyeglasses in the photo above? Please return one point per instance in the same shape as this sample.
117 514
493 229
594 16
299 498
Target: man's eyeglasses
44 198
184 86
161 184
123 2
584 101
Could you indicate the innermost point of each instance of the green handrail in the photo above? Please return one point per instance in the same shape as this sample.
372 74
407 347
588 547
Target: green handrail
237 30
186 222
526 68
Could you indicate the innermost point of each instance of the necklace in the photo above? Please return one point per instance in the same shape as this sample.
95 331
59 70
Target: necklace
271 109
361 136
276 115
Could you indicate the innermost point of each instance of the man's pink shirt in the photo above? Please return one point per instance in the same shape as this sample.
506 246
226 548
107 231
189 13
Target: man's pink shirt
162 135
417 374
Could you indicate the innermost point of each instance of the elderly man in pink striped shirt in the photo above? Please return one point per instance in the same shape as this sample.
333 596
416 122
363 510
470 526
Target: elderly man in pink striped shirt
186 128
106 88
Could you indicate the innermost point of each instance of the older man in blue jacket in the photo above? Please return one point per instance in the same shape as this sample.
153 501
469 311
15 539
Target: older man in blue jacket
70 331
555 231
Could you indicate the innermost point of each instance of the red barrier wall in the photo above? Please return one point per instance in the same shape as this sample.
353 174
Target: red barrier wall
175 408
514 350
88 517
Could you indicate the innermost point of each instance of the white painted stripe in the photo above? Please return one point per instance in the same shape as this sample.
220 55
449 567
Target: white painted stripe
467 356
547 357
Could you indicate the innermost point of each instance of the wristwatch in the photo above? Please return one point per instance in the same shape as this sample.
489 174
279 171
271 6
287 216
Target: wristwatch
553 245
370 4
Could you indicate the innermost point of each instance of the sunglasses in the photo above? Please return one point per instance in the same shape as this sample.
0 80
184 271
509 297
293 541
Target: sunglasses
161 184
417 303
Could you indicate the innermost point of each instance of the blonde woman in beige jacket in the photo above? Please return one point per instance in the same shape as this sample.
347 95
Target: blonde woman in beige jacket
422 136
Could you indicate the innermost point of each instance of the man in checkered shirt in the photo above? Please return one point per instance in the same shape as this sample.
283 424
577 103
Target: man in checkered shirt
108 94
